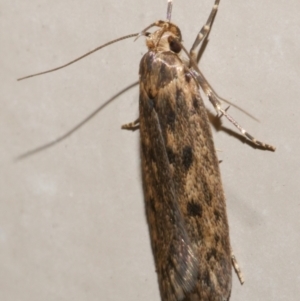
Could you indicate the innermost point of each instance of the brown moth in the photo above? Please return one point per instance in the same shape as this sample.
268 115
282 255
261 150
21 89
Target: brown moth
185 202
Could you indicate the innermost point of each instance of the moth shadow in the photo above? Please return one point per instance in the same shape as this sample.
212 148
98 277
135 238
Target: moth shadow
54 142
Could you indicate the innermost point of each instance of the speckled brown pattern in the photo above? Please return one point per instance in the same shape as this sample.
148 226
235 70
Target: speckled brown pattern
185 202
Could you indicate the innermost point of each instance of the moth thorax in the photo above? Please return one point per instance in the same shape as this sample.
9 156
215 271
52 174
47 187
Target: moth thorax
166 41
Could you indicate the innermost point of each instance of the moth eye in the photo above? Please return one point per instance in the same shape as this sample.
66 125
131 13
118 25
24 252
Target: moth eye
174 44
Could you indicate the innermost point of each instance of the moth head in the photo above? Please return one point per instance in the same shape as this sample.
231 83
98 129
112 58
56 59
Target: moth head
167 38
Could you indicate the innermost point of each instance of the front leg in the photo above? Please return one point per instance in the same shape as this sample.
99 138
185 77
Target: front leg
132 126
237 268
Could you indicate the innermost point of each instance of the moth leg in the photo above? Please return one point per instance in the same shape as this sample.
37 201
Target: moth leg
208 90
204 31
245 133
237 268
132 126
213 98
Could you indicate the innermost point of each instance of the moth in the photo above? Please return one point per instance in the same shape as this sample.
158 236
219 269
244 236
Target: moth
184 197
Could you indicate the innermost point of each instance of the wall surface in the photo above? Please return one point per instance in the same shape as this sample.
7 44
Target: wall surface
72 222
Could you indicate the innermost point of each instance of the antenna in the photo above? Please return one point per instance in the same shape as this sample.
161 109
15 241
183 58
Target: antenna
169 10
81 57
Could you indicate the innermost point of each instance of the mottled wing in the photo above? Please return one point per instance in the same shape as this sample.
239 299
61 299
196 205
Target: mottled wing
185 202
176 262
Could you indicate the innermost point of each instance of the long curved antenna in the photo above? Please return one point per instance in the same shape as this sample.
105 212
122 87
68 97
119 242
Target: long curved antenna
81 57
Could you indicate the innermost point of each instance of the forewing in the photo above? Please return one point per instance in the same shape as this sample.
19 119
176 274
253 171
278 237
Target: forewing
185 202
176 262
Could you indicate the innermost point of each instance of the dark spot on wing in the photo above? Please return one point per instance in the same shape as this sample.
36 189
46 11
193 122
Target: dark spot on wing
194 209
147 64
217 238
187 157
179 94
171 155
163 76
211 253
217 214
171 116
196 104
